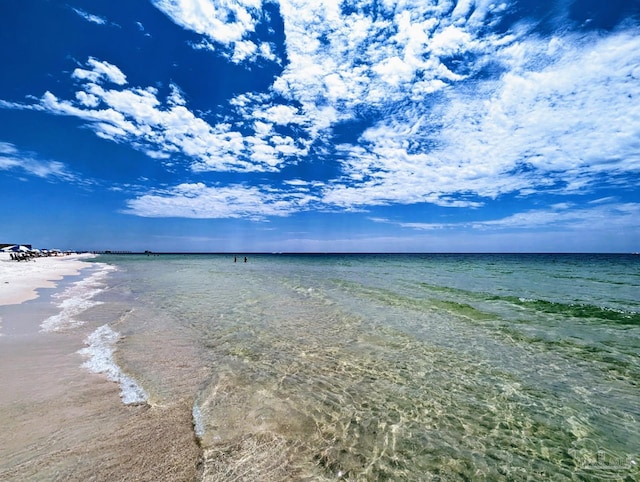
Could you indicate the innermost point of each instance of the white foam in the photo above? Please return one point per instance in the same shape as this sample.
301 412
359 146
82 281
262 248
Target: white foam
198 421
99 351
527 300
76 299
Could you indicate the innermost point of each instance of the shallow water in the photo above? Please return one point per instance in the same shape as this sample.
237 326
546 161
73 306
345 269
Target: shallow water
393 366
379 367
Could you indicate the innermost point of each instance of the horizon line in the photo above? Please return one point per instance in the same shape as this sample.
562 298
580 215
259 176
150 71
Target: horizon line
238 253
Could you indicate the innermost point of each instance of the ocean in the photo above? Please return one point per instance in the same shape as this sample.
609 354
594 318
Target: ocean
374 367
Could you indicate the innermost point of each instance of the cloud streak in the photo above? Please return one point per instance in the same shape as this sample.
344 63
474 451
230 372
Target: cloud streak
89 17
13 159
612 216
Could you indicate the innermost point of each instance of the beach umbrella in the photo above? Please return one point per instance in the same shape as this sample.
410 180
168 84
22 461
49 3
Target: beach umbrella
7 249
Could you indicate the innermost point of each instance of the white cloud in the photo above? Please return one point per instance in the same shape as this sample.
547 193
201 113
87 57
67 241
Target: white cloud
7 148
87 100
13 159
163 128
197 200
338 63
374 57
89 17
281 114
554 122
100 71
266 51
557 115
244 49
224 22
451 40
606 216
394 71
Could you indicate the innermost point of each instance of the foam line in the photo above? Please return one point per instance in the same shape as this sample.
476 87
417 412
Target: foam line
75 299
99 352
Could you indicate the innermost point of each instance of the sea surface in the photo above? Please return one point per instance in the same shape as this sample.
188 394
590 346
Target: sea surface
379 367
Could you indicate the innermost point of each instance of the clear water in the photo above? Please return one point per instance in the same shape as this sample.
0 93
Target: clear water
390 367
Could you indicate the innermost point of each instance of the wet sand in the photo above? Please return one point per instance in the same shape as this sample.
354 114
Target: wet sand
62 422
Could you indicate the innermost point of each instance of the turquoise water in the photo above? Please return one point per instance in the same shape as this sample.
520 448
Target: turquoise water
390 367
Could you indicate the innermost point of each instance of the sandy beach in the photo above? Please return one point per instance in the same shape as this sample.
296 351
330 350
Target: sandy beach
19 280
59 420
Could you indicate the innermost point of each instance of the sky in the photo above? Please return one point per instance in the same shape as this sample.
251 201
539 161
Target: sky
321 125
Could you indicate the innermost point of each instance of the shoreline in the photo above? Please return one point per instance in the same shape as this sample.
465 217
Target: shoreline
61 417
20 280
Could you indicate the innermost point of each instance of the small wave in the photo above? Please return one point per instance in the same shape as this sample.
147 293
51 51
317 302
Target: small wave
463 309
527 300
76 299
580 310
99 350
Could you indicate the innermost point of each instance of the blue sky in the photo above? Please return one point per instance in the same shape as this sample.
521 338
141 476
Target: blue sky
290 125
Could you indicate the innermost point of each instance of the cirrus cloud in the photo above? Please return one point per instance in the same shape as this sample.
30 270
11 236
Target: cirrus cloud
14 159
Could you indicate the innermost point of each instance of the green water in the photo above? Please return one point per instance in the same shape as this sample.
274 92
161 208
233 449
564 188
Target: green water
394 367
